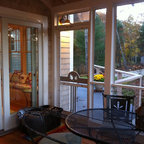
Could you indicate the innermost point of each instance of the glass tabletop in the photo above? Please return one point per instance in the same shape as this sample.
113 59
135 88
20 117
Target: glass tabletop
104 125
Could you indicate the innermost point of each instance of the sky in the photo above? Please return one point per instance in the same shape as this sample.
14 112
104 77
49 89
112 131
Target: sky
136 10
123 12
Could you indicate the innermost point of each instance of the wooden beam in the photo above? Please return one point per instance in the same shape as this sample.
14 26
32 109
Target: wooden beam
109 49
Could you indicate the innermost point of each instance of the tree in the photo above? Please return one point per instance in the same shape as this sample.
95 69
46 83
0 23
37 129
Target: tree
140 40
119 45
79 49
131 34
80 45
99 49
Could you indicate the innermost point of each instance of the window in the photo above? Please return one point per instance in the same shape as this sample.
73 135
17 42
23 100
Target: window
129 62
99 47
73 18
14 48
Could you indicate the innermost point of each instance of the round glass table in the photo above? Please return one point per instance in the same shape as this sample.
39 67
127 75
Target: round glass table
104 125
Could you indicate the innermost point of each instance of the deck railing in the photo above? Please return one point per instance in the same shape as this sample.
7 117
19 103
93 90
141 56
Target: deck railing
122 80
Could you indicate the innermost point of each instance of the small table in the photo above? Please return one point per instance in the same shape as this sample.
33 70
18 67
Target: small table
103 125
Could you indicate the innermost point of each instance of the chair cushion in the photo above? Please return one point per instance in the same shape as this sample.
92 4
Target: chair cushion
15 77
23 78
29 79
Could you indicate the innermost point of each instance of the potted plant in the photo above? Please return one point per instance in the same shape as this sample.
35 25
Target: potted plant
99 78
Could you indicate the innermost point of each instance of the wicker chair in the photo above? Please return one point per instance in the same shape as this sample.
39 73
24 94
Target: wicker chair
120 102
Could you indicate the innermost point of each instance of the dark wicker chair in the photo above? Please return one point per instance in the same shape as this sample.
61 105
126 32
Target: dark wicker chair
120 102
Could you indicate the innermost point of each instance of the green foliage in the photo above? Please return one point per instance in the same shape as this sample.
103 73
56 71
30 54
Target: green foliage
79 46
99 49
79 49
127 92
118 43
129 48
84 77
140 40
128 32
131 33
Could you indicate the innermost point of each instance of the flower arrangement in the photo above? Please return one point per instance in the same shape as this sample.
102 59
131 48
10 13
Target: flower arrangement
99 77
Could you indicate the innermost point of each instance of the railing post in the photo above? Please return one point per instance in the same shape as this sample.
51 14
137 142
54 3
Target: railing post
73 99
119 89
140 93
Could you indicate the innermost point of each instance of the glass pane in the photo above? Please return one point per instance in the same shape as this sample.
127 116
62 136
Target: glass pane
81 17
99 48
129 62
29 56
74 52
73 18
73 57
15 62
23 77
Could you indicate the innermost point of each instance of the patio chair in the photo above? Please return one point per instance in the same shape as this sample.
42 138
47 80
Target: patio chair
120 102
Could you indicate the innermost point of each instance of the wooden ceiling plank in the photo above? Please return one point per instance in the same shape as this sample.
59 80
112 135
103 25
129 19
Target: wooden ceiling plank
47 3
64 1
87 4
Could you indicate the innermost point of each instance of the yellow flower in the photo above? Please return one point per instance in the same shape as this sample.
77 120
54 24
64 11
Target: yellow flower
99 77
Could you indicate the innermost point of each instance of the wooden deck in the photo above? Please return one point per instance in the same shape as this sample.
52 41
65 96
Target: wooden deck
15 137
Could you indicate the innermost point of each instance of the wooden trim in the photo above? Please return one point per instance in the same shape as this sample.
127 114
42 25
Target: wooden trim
56 44
5 75
73 84
91 38
1 82
75 26
23 49
110 48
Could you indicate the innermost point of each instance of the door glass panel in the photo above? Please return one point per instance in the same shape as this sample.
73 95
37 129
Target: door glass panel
74 52
73 57
23 66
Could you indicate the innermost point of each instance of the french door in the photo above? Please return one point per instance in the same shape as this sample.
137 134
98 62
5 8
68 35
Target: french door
21 46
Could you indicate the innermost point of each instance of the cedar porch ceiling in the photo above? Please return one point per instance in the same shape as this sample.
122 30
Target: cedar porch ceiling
42 7
53 3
